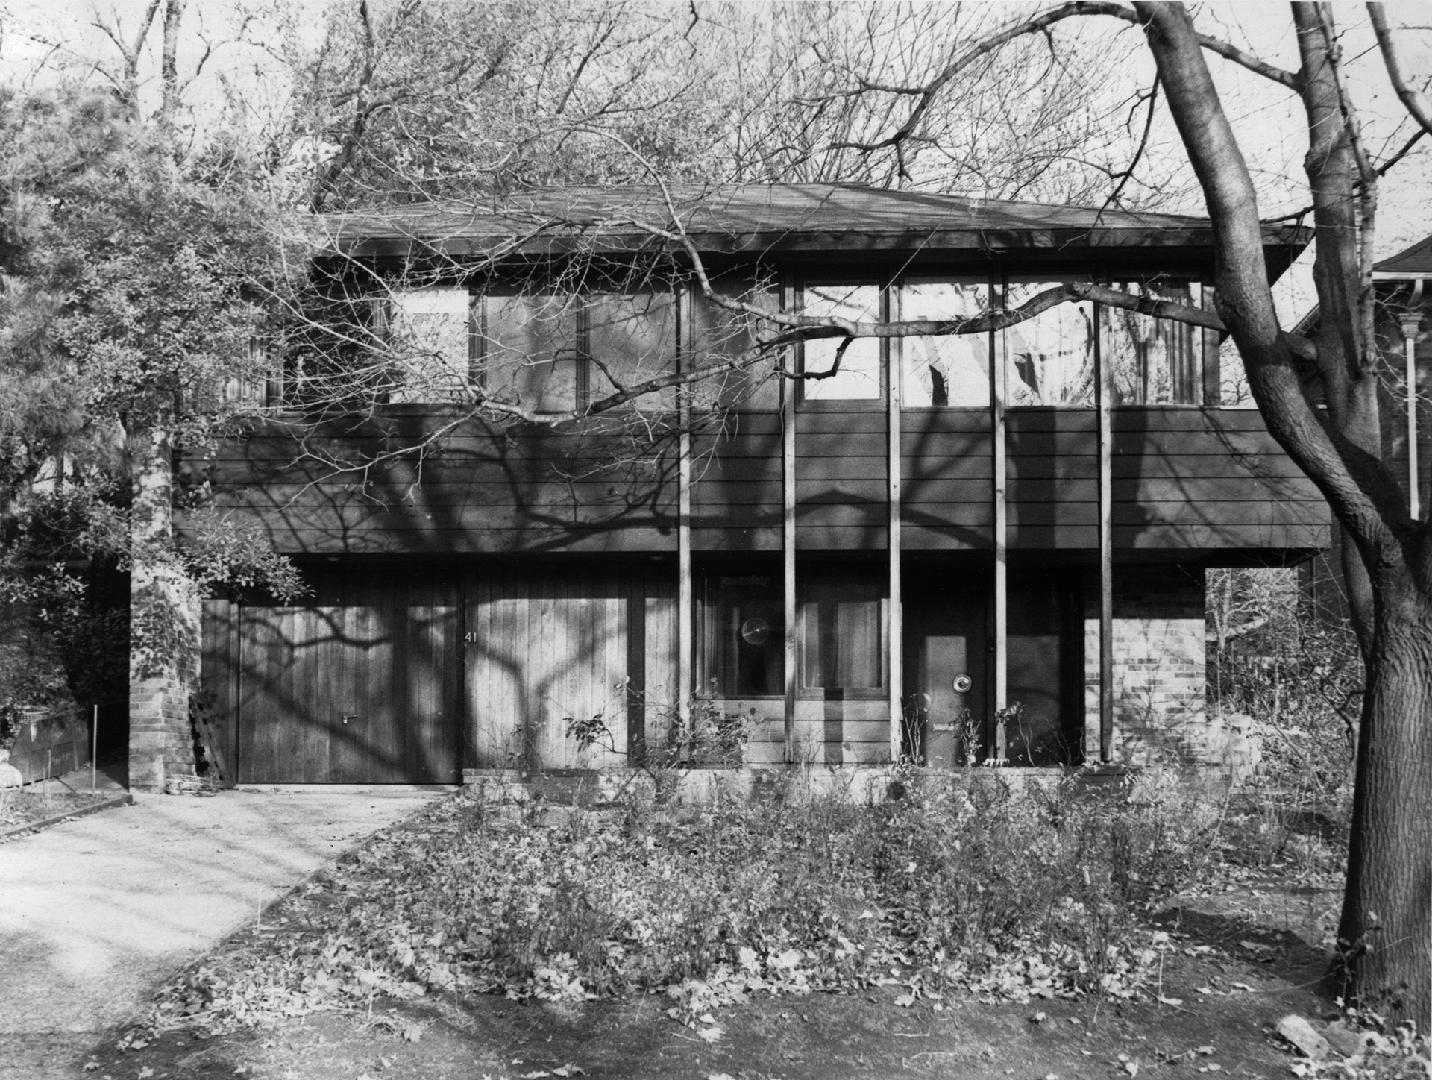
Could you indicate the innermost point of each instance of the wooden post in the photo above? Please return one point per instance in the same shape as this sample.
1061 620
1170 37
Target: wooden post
1411 322
789 389
1104 400
685 606
999 394
894 631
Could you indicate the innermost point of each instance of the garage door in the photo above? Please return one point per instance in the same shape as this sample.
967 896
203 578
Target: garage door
357 683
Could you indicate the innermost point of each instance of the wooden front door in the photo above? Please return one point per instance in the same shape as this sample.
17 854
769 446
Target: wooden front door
355 684
946 672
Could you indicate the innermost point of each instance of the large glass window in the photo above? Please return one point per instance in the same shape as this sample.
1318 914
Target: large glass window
842 644
1153 361
429 329
857 377
1050 358
720 337
552 352
950 370
743 635
840 630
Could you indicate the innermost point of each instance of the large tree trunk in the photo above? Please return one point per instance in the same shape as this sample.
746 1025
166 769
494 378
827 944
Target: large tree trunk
1387 909
1387 920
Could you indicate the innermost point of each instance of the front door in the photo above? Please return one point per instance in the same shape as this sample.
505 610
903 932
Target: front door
946 666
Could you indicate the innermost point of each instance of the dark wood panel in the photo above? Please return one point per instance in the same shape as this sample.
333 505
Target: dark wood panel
834 469
922 423
765 538
354 686
836 444
827 420
917 446
359 541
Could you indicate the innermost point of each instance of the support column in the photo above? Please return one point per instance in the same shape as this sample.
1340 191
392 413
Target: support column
164 624
685 605
1411 323
999 394
789 388
1104 402
894 631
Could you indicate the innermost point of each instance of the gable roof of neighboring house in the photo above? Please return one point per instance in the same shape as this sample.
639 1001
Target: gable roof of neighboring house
754 218
1411 262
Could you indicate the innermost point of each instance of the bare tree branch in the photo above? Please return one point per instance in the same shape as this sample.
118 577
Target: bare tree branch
1415 104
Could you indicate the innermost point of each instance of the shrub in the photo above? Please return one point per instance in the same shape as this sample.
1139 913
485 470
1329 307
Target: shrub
964 885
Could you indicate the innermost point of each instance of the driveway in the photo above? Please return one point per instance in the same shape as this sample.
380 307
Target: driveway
96 912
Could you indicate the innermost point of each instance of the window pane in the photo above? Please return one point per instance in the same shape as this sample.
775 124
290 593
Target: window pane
841 640
1050 357
1043 641
743 636
532 351
858 378
429 330
720 336
945 370
631 338
1153 361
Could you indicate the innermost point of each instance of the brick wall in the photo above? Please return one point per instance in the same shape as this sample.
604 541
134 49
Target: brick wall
160 739
164 638
1160 714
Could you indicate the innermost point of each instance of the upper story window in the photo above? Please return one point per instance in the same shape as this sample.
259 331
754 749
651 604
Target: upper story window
552 353
857 378
430 330
546 351
1050 358
535 351
727 339
1154 361
951 370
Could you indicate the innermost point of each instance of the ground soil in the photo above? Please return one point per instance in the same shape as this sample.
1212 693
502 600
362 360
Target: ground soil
32 804
1241 961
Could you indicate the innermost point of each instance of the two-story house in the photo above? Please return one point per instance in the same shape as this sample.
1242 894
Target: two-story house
978 547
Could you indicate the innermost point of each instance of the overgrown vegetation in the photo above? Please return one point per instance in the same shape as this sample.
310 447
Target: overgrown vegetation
961 886
1283 660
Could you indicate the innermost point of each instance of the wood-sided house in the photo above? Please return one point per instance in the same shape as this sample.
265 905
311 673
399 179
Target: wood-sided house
986 547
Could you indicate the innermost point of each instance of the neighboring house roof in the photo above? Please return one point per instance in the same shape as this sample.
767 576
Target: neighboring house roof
1412 262
768 217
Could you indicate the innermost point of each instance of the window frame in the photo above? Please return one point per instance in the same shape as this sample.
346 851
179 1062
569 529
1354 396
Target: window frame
1200 295
386 315
709 664
882 378
897 311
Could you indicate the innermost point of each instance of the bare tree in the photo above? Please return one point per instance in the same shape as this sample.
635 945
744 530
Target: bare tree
1320 399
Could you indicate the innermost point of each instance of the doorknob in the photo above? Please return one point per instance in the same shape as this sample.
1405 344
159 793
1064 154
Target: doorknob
349 717
962 684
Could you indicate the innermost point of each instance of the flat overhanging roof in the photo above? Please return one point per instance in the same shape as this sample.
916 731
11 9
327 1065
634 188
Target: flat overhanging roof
768 218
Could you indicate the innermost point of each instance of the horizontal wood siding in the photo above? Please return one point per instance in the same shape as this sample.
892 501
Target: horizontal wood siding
1184 479
947 466
348 488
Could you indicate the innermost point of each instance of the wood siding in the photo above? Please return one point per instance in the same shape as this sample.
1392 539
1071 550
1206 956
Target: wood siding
356 683
548 644
395 674
1185 479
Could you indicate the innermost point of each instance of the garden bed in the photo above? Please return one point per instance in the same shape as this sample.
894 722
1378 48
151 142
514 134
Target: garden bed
32 808
966 930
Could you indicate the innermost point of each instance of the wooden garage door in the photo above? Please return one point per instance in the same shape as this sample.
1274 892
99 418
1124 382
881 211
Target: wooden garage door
357 683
